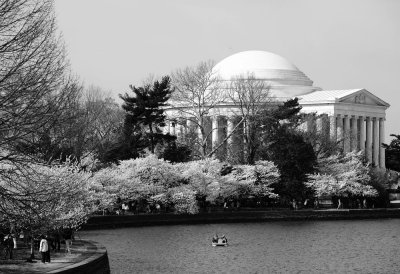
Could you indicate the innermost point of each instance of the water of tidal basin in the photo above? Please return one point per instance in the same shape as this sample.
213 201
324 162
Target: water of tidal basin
361 246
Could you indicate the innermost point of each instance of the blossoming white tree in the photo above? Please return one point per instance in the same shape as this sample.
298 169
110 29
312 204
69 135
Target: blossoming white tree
203 176
185 187
138 179
252 180
343 176
41 198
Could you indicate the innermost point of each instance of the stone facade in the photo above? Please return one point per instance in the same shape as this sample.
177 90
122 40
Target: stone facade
354 118
357 118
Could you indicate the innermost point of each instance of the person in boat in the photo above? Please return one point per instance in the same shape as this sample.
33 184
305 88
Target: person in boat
215 238
224 239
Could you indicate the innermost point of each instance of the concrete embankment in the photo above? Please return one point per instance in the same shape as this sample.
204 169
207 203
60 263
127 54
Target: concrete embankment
85 257
94 260
114 221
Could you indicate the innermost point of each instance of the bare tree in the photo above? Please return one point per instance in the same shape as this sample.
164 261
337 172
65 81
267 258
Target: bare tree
251 97
197 93
36 88
318 135
34 85
103 120
84 130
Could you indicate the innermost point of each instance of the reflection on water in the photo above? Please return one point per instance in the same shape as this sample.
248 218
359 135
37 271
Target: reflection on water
364 246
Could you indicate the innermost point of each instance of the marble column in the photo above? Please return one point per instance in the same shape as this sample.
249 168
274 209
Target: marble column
362 133
339 129
375 154
324 126
199 135
354 133
167 128
208 133
368 146
332 128
229 129
346 134
319 124
172 128
215 131
180 132
382 163
198 131
189 126
310 124
244 139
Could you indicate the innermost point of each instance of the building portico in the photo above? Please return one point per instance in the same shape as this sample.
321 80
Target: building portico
355 118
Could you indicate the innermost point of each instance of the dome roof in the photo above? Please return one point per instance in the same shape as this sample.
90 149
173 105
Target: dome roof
252 61
284 78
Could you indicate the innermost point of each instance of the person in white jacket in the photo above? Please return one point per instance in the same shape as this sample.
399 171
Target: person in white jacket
44 249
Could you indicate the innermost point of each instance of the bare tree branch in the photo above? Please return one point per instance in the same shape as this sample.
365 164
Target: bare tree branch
197 93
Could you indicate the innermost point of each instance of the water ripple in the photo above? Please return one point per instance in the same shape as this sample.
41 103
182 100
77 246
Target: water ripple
359 246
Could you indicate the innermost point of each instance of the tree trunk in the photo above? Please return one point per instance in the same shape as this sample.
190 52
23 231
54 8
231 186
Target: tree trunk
151 139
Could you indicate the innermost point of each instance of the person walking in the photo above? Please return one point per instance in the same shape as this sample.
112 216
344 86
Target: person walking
68 239
215 238
294 204
340 205
44 249
9 246
224 239
56 243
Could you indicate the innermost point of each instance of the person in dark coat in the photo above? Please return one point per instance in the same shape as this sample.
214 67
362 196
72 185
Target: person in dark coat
9 246
68 239
215 238
56 241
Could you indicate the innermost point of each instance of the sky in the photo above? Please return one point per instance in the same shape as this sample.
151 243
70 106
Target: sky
339 44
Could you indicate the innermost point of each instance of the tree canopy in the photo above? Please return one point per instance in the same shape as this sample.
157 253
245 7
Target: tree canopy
199 88
35 86
145 111
392 153
342 175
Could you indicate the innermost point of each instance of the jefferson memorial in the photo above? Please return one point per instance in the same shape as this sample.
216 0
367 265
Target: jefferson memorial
355 118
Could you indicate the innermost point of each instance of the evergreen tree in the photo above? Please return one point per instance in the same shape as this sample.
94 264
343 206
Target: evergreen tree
294 158
145 111
284 145
393 153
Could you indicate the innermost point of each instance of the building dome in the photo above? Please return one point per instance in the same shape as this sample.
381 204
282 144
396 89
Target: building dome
284 78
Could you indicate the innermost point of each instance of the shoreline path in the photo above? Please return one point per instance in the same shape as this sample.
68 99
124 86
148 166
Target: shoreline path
82 252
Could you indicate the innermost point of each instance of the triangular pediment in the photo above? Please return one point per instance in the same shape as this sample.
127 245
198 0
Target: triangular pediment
363 97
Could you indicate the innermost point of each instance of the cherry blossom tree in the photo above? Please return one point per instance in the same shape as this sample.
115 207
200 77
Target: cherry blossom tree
343 176
43 198
251 180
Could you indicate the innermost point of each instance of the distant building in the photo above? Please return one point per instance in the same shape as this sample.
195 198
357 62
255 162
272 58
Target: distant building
356 116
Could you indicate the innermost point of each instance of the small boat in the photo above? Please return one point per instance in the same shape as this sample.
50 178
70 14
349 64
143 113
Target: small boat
220 242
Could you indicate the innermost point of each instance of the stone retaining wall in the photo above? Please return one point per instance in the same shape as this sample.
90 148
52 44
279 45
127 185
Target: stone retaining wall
114 221
97 263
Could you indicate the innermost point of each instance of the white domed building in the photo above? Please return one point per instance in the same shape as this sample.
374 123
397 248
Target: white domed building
285 80
356 116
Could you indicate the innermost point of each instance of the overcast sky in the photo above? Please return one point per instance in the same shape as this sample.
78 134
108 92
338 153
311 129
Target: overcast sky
339 44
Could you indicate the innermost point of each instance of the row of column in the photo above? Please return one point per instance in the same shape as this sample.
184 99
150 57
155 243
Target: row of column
183 127
360 133
353 132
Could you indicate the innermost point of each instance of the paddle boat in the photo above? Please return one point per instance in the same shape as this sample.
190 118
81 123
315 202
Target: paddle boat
219 241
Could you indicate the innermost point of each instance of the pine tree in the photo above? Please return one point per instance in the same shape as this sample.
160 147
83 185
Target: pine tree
393 153
145 110
284 145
